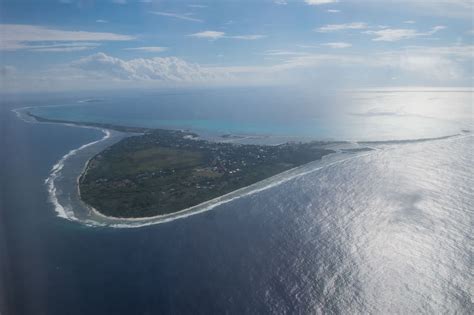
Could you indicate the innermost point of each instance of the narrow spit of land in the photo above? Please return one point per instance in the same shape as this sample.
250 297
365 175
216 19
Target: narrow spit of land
164 171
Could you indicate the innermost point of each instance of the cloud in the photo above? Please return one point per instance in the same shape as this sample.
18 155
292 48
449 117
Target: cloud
280 2
276 52
436 29
316 60
444 8
342 27
101 21
458 51
413 65
168 69
155 49
63 47
119 1
21 36
419 64
197 6
247 37
319 2
186 16
333 11
214 35
409 22
392 35
7 70
338 45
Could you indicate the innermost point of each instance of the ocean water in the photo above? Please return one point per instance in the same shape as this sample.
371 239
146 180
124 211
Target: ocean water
374 115
388 231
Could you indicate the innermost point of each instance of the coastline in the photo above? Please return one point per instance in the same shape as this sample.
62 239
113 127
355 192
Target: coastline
56 169
62 210
340 156
93 217
89 216
236 194
96 218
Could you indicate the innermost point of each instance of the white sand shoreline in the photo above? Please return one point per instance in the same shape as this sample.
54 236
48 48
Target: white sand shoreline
96 218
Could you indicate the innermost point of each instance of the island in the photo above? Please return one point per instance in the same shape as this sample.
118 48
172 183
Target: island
159 172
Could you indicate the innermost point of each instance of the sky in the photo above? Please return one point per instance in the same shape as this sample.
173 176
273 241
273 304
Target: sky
67 45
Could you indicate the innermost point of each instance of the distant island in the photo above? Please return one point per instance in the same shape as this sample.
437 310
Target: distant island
160 172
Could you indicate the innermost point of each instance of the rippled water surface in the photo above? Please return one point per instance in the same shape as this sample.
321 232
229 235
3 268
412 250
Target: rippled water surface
389 231
374 115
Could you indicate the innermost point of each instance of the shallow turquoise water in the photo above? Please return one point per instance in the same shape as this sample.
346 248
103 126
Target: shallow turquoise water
342 116
385 233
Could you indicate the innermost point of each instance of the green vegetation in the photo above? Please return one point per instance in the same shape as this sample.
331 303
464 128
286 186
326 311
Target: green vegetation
165 171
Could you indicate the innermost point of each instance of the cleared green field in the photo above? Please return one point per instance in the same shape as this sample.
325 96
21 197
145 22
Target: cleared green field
164 171
149 160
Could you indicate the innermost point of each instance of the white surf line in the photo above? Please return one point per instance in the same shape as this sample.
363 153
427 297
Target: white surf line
50 181
21 116
146 221
55 172
201 208
56 169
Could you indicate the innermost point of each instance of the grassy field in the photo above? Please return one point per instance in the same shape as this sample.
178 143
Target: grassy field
163 172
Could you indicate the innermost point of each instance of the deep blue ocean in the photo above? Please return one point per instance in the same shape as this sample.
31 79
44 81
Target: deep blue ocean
385 232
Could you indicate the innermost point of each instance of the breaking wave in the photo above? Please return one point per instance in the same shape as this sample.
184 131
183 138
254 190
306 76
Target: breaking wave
64 211
91 217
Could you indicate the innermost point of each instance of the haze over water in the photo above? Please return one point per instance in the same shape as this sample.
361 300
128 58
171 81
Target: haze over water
386 231
363 115
381 226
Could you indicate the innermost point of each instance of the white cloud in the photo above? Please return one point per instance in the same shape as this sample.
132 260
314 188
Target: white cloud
425 64
460 52
20 36
101 21
280 2
392 35
186 16
213 35
333 11
409 22
247 37
338 45
420 64
7 70
168 69
316 60
154 49
436 28
342 27
444 8
416 65
319 2
277 52
197 6
63 47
